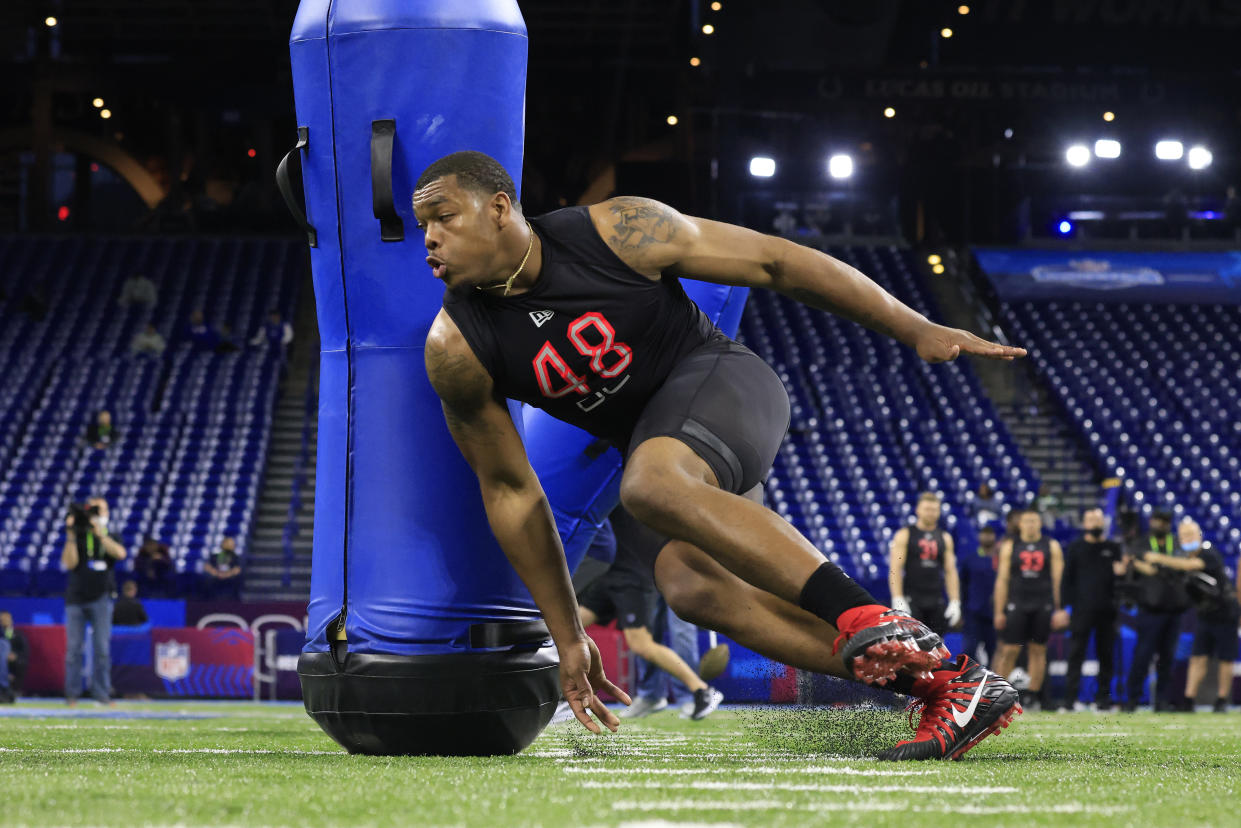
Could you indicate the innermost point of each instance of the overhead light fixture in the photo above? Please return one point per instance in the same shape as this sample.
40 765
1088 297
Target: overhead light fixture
716 6
933 259
937 269
707 29
1109 116
1169 150
97 103
1065 227
50 22
1107 148
252 152
1008 133
889 112
840 166
1200 158
1077 155
963 9
694 61
762 167
945 33
105 114
672 120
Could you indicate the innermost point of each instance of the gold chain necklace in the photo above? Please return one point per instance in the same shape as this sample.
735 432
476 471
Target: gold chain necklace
508 283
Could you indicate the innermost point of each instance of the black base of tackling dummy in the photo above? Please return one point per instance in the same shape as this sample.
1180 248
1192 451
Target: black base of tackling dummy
468 704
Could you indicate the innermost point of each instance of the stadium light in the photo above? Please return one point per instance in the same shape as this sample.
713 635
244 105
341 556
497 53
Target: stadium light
1008 133
963 9
889 112
840 166
1065 227
1169 150
1077 155
672 120
97 103
1109 116
1200 158
694 61
1107 148
762 167
105 114
50 22
937 269
945 33
716 6
933 259
707 29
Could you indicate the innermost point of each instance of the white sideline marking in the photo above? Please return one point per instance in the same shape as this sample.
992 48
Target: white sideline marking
785 786
815 769
775 804
663 823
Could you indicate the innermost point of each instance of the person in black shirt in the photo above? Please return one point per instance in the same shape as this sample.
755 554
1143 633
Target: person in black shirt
100 434
1161 603
129 611
580 312
15 656
921 565
1027 600
1092 565
1216 632
222 570
89 556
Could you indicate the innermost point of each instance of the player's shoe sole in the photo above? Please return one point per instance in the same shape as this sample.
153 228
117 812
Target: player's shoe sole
898 644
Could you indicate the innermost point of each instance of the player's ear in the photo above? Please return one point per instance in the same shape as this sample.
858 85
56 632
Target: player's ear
501 209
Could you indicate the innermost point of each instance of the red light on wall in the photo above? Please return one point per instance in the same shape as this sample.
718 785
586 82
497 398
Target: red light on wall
63 213
252 152
94 168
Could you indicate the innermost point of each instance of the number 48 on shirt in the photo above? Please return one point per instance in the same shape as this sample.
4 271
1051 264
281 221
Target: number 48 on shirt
608 358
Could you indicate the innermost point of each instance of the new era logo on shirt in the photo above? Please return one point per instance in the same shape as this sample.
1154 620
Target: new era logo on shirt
539 317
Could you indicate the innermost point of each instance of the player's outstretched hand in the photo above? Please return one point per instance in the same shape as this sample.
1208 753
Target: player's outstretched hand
581 674
940 343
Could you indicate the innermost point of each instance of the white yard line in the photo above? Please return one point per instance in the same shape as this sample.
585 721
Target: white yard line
767 769
179 750
826 808
815 788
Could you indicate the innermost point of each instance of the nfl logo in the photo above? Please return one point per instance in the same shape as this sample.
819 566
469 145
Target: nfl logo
172 660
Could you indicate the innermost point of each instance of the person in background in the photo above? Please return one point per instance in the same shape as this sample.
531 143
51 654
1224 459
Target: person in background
153 566
101 434
128 611
89 556
222 570
14 656
986 507
1027 600
921 565
275 332
200 334
1092 565
148 342
977 574
137 290
1161 603
1218 614
1048 506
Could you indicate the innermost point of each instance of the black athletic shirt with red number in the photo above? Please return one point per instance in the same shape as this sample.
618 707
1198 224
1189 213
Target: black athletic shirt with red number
924 564
1029 578
592 340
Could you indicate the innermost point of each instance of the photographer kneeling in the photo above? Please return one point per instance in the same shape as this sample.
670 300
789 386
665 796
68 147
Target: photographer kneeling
1218 612
89 557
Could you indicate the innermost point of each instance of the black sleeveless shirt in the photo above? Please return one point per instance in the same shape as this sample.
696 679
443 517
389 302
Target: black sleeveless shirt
924 564
592 340
1029 572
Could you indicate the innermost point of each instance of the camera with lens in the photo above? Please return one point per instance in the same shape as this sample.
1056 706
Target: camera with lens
83 515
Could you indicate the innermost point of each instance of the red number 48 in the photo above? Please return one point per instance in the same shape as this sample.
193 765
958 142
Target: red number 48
608 358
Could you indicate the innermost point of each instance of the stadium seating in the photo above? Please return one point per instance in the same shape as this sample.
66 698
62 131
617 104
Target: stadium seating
1156 392
192 425
873 425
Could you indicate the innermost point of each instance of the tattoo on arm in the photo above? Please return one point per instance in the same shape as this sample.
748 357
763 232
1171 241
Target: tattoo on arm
639 222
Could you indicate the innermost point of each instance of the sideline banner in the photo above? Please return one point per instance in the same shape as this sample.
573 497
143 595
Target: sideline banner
1098 276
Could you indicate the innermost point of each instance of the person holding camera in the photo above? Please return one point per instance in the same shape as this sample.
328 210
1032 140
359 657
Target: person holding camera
1209 588
89 556
1162 599
1092 565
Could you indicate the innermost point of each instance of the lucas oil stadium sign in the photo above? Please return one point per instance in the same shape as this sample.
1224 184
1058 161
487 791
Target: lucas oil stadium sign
1096 276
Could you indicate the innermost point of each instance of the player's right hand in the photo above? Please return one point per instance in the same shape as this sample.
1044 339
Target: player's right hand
1000 620
581 674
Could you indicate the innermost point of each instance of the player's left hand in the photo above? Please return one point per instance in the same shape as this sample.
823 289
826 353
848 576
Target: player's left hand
953 613
1060 620
581 674
939 343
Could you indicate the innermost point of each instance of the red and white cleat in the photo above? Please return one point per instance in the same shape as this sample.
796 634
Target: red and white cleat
877 644
961 705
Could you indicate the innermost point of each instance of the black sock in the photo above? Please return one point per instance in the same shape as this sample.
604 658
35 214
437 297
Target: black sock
829 592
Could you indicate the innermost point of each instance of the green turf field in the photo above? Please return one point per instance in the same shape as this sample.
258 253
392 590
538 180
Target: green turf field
270 765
